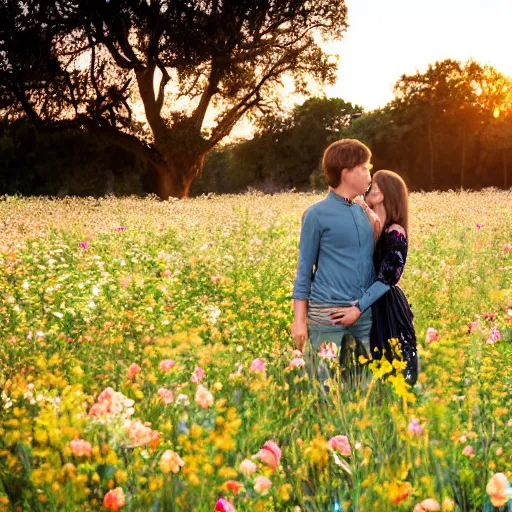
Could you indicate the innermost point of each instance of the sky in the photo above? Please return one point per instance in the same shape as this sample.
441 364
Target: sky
387 38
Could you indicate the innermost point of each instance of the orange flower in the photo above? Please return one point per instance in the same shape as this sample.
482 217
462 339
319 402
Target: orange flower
399 492
114 499
233 485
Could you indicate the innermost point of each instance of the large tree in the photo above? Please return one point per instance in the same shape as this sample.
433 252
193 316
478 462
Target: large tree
90 63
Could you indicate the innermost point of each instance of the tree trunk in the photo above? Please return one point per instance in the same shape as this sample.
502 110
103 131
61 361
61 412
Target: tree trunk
177 174
431 152
505 176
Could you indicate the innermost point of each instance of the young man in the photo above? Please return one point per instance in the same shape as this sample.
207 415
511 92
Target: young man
335 259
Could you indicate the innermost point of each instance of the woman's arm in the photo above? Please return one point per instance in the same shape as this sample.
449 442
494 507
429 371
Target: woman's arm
388 275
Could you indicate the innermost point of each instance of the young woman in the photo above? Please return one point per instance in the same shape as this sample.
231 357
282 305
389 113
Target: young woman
392 316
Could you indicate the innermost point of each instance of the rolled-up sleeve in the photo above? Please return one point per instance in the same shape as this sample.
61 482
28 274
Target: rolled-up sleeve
308 253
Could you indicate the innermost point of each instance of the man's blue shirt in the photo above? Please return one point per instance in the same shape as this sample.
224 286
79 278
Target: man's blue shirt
337 237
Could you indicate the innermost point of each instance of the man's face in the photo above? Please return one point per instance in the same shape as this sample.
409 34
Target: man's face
359 177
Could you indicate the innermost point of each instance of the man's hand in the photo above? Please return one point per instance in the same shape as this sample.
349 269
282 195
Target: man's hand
345 316
299 333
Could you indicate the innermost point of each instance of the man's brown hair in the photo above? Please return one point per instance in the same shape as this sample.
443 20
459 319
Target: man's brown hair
396 201
343 154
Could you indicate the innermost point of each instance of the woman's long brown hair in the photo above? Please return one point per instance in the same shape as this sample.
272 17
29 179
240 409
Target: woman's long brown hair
396 198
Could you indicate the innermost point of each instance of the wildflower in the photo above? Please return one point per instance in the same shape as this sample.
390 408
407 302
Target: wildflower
80 448
262 484
224 505
448 505
133 370
498 489
198 375
84 245
415 427
233 485
259 366
247 467
171 461
114 499
203 397
140 433
494 336
166 395
431 336
473 326
428 505
297 362
468 450
166 365
120 228
479 226
340 444
270 454
399 492
328 350
166 273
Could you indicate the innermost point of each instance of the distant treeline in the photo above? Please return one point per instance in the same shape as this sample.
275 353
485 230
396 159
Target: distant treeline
449 127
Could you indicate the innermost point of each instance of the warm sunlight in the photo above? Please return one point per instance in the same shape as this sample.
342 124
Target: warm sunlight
388 39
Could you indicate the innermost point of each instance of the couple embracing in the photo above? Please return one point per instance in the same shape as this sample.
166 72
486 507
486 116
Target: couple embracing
351 256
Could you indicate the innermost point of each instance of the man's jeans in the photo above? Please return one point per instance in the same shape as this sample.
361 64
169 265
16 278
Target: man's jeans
351 342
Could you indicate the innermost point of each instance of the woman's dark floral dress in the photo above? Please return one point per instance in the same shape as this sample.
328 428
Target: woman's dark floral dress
392 316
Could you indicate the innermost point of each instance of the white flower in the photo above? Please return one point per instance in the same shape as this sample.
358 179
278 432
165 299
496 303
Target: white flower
95 290
58 314
91 304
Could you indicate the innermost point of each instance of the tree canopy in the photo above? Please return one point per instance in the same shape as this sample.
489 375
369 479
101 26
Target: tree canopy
88 63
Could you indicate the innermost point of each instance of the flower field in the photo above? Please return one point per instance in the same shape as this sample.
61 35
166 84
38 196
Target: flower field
147 364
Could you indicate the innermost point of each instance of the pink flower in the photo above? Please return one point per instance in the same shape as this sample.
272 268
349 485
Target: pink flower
114 499
507 247
431 336
468 450
80 448
166 365
224 505
328 350
141 434
490 316
166 273
415 427
428 505
171 461
270 454
340 444
262 484
166 395
297 353
133 370
216 278
473 326
247 467
498 489
198 375
203 397
494 336
297 362
84 245
259 365
120 228
479 226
